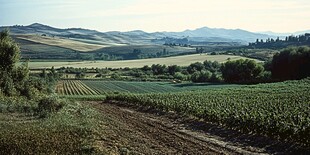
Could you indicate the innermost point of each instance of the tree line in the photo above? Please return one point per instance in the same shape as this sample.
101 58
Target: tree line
291 63
282 43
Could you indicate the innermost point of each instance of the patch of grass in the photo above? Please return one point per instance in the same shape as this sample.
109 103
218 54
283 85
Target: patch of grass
71 130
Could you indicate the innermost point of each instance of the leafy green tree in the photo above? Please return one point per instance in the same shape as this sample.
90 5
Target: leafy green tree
241 71
291 63
197 66
201 76
159 69
173 69
9 52
12 78
212 66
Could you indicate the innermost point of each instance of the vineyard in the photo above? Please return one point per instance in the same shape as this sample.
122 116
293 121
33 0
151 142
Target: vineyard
279 110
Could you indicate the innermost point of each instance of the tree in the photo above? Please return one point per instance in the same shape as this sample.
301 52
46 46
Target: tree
201 76
173 69
9 52
291 63
13 79
158 69
241 71
197 66
212 66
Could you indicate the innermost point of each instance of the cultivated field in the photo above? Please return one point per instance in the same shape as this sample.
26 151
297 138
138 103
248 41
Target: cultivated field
61 42
100 87
74 87
279 110
177 60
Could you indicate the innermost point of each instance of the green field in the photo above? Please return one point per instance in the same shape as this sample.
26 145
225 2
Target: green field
98 87
279 110
177 60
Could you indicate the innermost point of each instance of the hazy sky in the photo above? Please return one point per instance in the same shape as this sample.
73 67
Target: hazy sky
160 15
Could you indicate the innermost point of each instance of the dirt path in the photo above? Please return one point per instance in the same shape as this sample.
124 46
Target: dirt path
130 131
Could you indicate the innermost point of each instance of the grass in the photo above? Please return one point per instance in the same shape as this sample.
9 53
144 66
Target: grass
71 130
184 60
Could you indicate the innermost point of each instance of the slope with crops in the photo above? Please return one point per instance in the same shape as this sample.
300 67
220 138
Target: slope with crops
279 110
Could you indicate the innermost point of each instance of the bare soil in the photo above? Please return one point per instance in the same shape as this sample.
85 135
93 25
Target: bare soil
138 130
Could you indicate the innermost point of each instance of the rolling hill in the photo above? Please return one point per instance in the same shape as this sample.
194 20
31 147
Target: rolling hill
139 36
40 41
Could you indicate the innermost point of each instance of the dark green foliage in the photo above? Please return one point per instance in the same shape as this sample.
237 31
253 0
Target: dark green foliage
240 71
291 63
173 69
9 52
276 44
159 69
180 76
15 79
197 66
212 66
12 78
201 76
48 105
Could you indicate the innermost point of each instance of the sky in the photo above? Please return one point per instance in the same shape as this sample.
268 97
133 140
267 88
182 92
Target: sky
279 16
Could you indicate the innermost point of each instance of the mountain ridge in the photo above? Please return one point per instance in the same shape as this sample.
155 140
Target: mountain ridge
204 33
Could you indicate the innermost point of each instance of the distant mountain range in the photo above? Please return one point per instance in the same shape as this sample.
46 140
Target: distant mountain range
203 34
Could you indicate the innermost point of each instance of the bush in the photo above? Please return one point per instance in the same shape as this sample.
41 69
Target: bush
241 71
203 76
180 76
48 105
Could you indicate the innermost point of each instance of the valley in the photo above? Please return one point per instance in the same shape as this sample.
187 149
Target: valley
199 91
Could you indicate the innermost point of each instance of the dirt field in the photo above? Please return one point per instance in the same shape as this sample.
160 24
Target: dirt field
139 131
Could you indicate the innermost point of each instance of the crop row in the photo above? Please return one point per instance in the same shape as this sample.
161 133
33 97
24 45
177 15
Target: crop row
74 87
106 87
280 110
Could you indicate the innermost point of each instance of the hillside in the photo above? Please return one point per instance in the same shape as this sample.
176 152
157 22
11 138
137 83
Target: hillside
38 41
139 36
61 42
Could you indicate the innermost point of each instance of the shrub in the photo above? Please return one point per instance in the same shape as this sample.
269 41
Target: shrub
48 105
240 71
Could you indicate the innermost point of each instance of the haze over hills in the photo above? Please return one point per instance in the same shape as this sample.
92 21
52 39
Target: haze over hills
38 41
284 34
203 34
